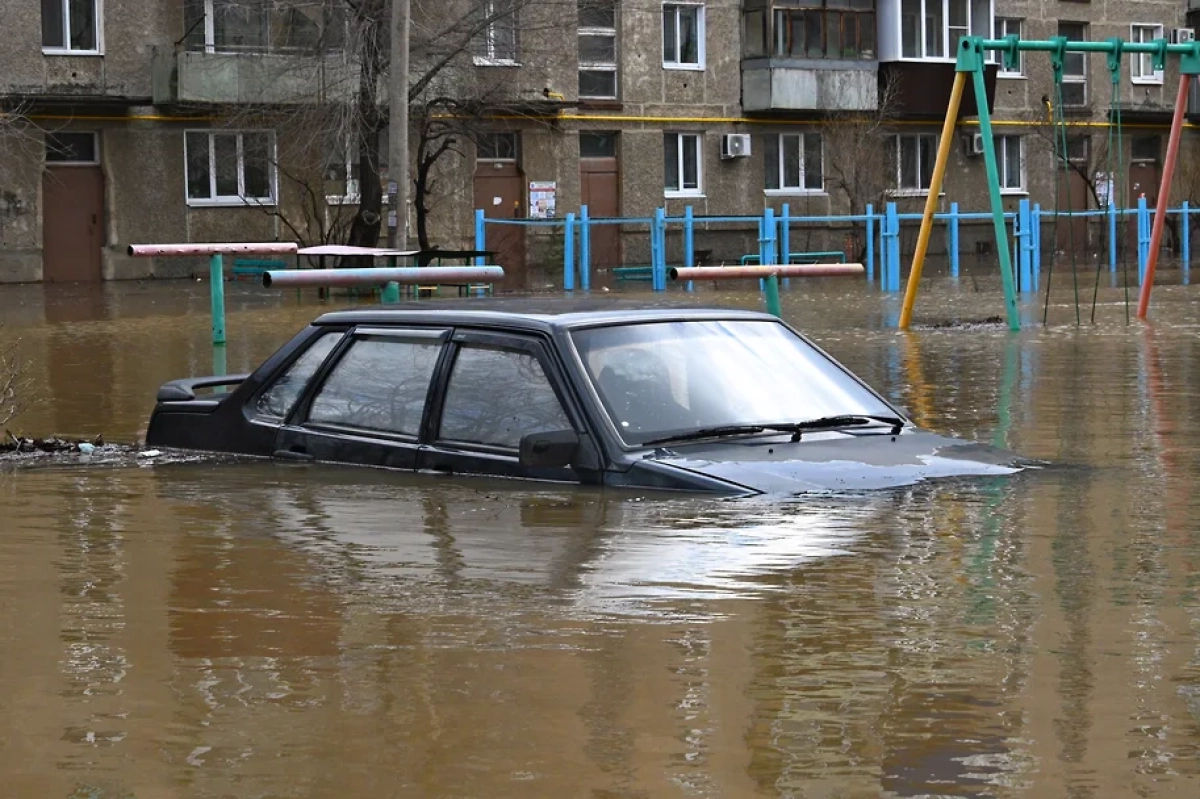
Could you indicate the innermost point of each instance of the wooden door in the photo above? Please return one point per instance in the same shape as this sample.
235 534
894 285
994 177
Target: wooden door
500 192
600 181
72 223
1073 195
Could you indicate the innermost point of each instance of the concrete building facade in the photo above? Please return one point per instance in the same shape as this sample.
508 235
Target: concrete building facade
190 120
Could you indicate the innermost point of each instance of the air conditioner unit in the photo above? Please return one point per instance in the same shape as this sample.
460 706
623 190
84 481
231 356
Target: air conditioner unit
973 144
1183 35
735 145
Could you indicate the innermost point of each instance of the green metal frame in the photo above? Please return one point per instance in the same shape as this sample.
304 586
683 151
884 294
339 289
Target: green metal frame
971 58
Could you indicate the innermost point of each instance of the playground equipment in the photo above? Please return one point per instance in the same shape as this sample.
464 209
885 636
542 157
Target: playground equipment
216 266
970 60
383 276
768 276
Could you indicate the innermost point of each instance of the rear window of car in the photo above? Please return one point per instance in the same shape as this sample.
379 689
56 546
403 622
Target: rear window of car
277 401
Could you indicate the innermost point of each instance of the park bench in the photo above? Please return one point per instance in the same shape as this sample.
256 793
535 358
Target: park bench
253 268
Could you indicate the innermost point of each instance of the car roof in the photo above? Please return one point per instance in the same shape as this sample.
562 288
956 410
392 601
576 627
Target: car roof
535 313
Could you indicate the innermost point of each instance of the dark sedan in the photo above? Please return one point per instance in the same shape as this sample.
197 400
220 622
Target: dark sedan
676 398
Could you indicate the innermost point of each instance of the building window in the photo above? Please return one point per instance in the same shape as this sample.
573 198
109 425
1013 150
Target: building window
683 162
497 43
264 26
230 168
71 148
932 28
1006 26
341 172
794 163
598 144
1010 159
915 155
1142 67
841 29
1145 149
597 49
71 26
496 147
1074 85
683 36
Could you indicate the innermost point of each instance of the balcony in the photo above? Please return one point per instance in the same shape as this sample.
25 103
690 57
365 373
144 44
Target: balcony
202 77
813 56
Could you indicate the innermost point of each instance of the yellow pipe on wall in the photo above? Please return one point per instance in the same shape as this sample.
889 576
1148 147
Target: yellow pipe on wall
935 188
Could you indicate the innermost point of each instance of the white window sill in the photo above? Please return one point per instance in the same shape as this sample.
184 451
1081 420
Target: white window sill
350 199
1012 75
483 61
232 202
676 195
912 193
1155 81
683 67
929 59
65 51
795 192
1014 192
608 99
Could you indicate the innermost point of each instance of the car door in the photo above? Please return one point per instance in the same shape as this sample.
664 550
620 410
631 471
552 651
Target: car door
496 388
369 401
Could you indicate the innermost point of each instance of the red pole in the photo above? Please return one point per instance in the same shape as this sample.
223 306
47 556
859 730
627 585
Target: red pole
1164 194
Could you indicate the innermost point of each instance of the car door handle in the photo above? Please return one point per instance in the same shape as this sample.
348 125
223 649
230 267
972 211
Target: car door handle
293 454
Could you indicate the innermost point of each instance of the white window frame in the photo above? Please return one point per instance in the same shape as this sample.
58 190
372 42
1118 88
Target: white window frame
1002 162
901 191
98 8
799 189
1069 78
1141 70
701 35
949 48
489 58
698 191
210 36
215 200
596 66
1004 27
353 193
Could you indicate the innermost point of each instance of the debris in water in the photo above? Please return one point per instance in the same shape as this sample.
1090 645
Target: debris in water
149 453
962 323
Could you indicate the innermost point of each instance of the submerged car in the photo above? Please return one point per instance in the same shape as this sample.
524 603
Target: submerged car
675 398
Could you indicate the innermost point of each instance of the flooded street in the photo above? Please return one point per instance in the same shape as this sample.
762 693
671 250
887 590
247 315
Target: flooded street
279 630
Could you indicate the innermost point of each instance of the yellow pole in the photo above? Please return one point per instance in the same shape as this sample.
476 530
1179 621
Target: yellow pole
935 188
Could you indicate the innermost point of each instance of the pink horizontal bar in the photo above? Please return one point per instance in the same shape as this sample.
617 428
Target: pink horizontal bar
407 275
781 270
205 248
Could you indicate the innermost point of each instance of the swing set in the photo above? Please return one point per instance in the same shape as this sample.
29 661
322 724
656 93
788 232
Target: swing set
972 52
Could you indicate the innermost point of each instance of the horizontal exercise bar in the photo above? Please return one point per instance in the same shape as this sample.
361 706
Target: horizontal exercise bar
1047 45
779 270
200 248
405 275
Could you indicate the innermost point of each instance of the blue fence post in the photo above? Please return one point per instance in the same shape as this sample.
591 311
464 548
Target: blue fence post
952 246
1143 225
480 235
569 253
785 240
659 270
1035 230
893 248
585 250
1112 237
1024 240
1185 242
870 244
689 241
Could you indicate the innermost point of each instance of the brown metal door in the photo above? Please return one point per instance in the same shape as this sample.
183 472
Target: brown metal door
601 194
1073 231
72 223
500 192
1144 177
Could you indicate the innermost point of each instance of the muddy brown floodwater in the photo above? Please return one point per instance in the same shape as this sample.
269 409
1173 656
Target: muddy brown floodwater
274 630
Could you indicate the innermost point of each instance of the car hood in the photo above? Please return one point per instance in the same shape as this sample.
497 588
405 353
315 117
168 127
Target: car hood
841 462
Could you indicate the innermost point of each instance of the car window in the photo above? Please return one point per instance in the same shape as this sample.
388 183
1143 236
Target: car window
278 400
495 396
379 384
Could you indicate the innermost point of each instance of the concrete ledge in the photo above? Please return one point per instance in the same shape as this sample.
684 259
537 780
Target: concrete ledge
20 266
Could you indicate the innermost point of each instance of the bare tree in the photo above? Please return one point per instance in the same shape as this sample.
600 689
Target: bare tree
859 156
1073 151
20 143
16 387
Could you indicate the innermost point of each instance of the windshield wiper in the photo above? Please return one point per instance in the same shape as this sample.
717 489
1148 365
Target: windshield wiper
795 428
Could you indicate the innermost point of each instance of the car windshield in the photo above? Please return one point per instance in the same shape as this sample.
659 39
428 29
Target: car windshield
660 379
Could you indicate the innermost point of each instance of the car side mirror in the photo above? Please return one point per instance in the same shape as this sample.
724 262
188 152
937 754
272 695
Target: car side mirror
553 448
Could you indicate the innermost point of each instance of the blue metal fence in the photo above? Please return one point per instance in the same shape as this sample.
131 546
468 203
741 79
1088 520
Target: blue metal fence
882 255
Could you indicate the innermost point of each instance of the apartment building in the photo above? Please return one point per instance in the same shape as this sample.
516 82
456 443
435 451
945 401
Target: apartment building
190 120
